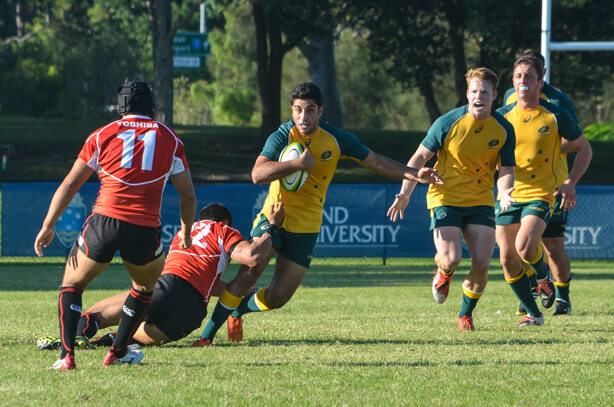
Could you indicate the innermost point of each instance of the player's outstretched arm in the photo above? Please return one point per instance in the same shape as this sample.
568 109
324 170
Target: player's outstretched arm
257 251
388 167
187 206
266 170
78 174
401 200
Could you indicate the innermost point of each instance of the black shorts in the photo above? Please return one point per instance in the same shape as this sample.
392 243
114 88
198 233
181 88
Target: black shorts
558 220
176 307
102 236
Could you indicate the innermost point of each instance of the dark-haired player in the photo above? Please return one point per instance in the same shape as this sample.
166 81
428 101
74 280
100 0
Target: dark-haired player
189 279
134 158
324 146
554 235
540 128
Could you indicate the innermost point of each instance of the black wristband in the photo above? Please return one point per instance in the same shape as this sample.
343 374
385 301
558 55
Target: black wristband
274 231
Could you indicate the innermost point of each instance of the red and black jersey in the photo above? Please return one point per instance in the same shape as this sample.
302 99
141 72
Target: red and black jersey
134 157
204 262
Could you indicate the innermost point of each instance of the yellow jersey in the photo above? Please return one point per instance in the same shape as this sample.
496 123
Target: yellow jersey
327 145
538 146
557 97
468 152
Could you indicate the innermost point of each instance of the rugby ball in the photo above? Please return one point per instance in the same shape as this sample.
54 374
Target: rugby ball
294 181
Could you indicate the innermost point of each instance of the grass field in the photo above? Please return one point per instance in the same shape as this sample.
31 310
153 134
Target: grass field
357 333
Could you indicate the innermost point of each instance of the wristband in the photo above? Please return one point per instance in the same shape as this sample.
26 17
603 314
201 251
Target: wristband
274 232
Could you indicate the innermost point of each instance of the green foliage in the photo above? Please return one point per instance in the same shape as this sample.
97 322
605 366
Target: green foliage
370 96
44 150
355 334
600 131
230 95
81 54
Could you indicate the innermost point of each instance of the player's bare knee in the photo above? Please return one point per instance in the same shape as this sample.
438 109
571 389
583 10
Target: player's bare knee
480 265
508 260
448 262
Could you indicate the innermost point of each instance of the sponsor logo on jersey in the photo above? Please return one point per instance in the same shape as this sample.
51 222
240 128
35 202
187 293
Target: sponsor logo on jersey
327 155
141 125
479 129
527 119
543 130
307 142
493 143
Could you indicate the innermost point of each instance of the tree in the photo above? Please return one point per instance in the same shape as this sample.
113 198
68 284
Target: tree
413 35
319 49
163 31
280 26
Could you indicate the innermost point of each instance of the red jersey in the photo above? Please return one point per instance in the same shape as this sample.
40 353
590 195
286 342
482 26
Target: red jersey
134 156
204 262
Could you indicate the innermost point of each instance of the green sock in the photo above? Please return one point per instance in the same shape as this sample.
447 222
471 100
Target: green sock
532 280
522 288
538 265
468 304
218 317
224 307
562 290
249 303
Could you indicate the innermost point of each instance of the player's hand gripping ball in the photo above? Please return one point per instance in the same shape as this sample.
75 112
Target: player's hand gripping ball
294 181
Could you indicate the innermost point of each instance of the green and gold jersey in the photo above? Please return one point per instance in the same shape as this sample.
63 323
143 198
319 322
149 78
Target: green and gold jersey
538 145
327 145
468 152
558 98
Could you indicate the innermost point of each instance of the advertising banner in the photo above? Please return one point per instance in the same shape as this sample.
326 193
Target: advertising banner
354 219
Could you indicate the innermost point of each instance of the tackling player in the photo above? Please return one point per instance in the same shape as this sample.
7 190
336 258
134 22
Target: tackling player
540 127
133 157
470 141
190 277
324 146
554 235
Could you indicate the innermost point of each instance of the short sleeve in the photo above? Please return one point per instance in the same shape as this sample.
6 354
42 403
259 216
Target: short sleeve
89 152
231 237
349 145
507 154
277 141
180 161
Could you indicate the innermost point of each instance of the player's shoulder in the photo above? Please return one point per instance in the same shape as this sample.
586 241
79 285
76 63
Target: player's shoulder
447 120
507 95
503 110
552 107
335 131
502 121
552 92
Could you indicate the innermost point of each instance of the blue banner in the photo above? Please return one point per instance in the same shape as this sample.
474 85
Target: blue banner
354 219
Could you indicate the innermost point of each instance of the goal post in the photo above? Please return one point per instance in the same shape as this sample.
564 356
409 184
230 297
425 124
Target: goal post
547 45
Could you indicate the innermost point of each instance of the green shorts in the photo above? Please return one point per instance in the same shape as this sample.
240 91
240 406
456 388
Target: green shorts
558 220
460 216
297 247
519 210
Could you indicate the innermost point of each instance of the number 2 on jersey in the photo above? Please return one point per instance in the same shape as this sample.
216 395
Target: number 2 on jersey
199 238
149 140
